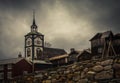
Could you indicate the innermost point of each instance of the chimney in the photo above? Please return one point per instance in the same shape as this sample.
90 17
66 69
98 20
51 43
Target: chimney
19 55
72 50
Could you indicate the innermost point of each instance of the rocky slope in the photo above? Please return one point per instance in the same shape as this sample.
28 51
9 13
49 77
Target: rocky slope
90 71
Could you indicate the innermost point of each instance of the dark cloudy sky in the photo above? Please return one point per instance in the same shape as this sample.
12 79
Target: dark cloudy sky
65 23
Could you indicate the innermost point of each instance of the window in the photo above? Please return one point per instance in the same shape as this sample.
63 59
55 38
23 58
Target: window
9 66
28 52
102 41
9 74
116 42
94 43
1 75
1 67
25 72
28 42
38 52
99 50
38 41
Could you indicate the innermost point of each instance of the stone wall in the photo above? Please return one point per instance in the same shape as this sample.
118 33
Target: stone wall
90 71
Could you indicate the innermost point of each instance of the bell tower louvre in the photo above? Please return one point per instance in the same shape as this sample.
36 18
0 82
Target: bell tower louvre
34 43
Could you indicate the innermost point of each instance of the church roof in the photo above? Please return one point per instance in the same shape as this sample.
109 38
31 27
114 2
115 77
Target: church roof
52 52
34 33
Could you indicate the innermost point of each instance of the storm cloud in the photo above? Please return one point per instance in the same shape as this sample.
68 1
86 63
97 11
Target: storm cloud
65 23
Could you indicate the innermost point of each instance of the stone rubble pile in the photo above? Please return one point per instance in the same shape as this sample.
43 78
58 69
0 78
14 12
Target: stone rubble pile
82 72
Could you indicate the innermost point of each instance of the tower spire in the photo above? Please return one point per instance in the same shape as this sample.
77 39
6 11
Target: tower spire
34 17
34 26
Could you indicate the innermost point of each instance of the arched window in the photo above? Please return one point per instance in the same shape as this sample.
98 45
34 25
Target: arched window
38 52
28 52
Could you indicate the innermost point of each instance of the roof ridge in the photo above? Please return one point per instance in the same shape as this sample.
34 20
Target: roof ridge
55 48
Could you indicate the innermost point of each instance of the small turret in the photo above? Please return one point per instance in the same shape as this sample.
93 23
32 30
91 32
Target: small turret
19 55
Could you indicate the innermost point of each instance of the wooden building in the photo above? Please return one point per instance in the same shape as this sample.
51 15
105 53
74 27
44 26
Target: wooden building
15 67
34 43
116 43
84 55
52 52
11 68
73 55
105 44
59 60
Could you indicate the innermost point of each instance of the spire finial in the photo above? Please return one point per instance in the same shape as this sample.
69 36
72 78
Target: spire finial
34 26
34 17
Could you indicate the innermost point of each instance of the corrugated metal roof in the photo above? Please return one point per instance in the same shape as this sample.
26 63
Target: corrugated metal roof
98 35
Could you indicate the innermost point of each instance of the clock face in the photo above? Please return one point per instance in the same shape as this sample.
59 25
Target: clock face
28 42
38 41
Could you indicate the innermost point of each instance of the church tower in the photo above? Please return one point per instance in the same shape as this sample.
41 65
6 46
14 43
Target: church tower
34 43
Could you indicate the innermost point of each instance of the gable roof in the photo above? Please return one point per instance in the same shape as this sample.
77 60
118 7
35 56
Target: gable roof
117 36
86 50
11 61
75 52
106 34
97 36
59 57
52 52
40 62
15 60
